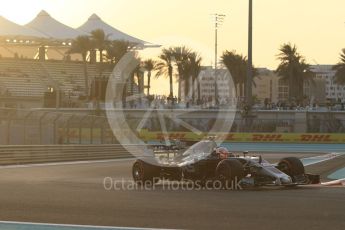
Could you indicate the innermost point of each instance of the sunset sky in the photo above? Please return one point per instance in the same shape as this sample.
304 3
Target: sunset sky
316 26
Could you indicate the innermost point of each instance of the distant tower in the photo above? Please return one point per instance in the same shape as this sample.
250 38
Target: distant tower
250 56
218 20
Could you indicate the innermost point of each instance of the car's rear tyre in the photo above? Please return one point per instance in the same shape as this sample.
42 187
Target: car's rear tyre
291 166
144 173
229 172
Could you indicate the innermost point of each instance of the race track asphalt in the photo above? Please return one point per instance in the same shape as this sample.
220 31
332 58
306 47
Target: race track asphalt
75 194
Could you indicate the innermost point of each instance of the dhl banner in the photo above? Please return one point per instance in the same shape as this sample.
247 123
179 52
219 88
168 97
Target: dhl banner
250 137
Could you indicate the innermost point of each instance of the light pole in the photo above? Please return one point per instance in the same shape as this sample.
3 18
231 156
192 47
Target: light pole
250 56
218 20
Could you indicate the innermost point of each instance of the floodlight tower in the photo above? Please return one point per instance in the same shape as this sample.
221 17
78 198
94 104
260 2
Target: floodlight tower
218 21
250 56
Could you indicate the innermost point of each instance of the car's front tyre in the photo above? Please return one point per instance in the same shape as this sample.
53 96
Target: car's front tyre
292 166
229 172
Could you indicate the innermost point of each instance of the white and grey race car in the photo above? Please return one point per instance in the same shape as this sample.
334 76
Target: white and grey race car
205 162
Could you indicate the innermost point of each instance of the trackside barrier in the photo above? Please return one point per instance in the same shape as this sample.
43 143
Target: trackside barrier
327 138
30 154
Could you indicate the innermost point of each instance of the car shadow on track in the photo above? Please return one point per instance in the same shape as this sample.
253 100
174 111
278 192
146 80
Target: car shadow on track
190 187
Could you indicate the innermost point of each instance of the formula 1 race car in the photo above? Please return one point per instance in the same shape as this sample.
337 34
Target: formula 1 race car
205 162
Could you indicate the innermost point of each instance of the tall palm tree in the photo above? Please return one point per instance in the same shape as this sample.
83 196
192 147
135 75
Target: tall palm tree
133 74
149 65
136 86
82 45
190 69
139 73
100 40
293 69
195 68
117 49
237 66
185 74
180 55
165 67
339 77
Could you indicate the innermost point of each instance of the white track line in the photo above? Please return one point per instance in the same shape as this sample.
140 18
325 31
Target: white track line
64 163
340 182
70 225
322 158
330 156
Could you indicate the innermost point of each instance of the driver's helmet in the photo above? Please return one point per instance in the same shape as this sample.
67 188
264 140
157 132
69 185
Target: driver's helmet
222 152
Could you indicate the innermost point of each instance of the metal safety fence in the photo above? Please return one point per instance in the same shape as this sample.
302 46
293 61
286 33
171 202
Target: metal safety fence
40 127
59 126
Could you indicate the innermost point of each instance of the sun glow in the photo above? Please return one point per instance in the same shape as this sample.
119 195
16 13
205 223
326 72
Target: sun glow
318 31
20 13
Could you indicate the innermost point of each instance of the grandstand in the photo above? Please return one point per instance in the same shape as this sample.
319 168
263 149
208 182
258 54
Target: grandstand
29 79
27 75
19 79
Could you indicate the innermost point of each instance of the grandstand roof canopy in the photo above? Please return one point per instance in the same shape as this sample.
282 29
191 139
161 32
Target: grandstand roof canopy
95 22
13 30
52 28
45 26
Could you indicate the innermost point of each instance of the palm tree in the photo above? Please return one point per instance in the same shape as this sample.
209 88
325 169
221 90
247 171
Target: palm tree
180 56
100 40
237 66
165 67
190 69
195 68
139 73
185 71
117 49
149 65
134 73
82 45
294 70
339 77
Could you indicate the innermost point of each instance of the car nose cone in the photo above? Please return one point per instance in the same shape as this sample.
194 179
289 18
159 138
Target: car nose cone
285 180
